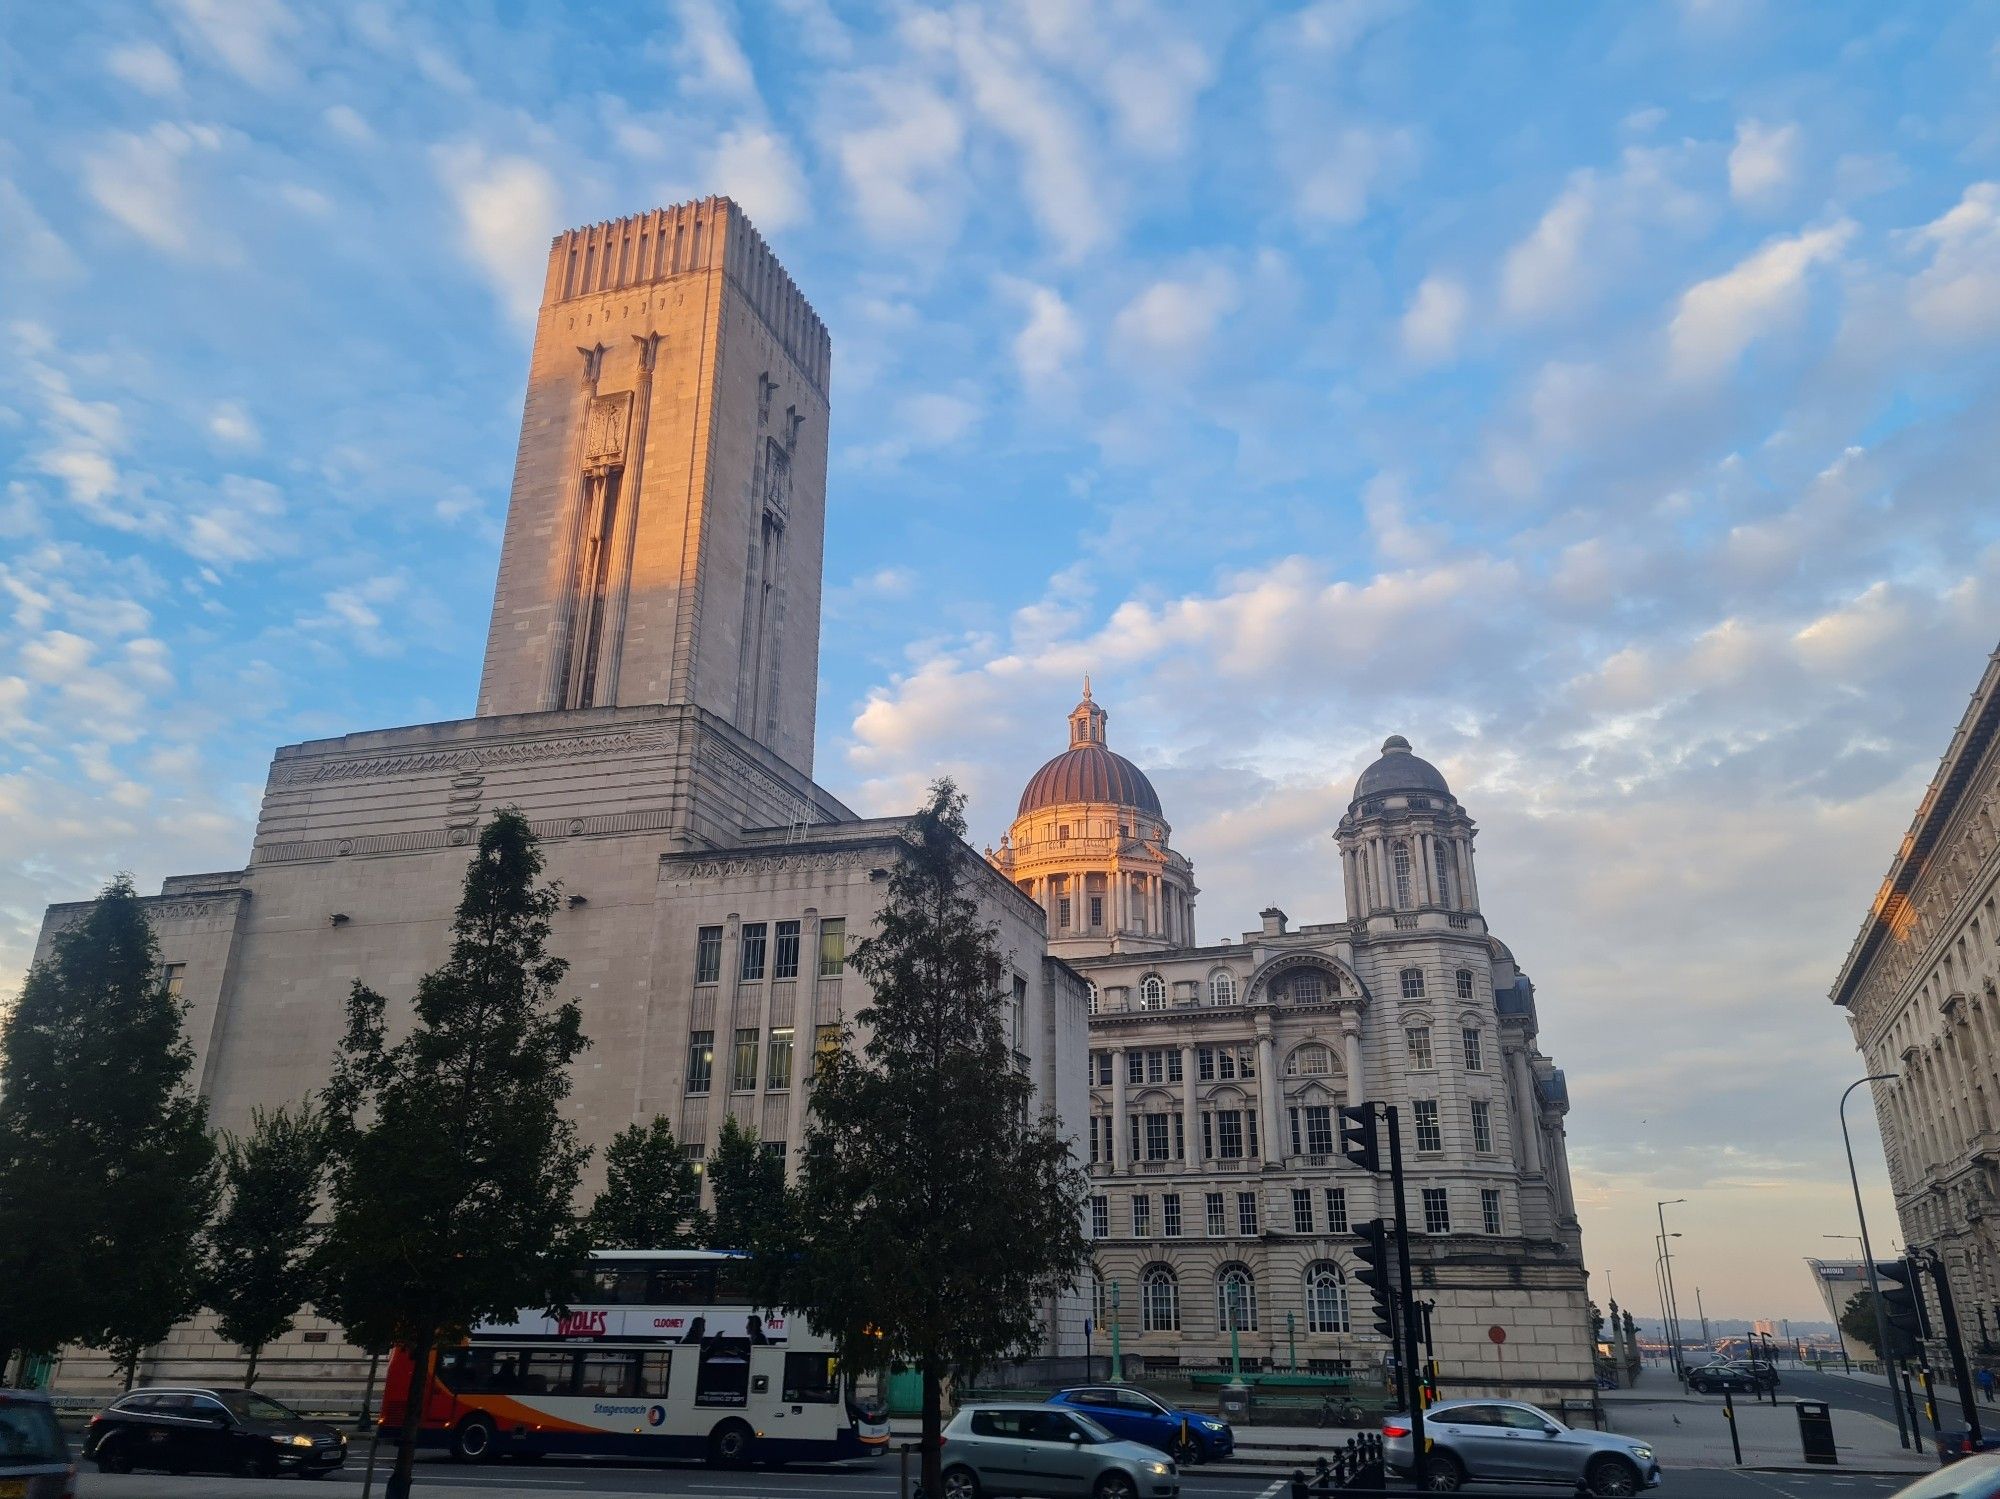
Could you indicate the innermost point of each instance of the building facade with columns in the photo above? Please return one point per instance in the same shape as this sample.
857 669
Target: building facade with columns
1219 1194
1921 988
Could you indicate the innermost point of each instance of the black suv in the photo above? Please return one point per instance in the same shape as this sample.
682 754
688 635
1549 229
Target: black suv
217 1431
1712 1379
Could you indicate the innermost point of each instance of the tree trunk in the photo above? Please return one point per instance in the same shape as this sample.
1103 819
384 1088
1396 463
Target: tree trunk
250 1374
415 1399
930 1454
130 1364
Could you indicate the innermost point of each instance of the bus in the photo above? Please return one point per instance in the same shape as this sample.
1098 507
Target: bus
662 1355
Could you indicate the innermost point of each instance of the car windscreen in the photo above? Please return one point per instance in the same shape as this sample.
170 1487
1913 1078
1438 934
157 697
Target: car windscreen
29 1434
248 1405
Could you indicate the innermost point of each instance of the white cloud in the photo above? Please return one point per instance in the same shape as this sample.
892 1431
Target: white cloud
901 164
755 166
1541 271
1351 169
509 208
242 520
1763 165
1171 321
1050 340
710 59
146 68
347 122
920 423
34 249
1721 317
1957 295
1598 222
232 426
1435 320
247 36
1153 95
137 180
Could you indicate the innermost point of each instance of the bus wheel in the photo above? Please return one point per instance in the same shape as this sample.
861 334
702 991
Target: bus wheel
473 1441
730 1444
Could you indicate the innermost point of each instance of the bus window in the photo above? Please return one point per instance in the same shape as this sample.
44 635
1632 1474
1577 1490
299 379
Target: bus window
681 1285
723 1376
609 1373
548 1371
729 1284
656 1365
618 1285
809 1379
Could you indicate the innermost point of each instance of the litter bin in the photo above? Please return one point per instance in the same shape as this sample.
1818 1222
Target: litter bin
1816 1431
1235 1402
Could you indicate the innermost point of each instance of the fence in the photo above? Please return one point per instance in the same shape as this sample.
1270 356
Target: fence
1355 1467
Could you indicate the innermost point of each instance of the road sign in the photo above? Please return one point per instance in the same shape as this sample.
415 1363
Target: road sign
1497 1334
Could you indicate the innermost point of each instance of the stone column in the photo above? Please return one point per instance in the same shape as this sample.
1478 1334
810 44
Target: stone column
1119 1163
1528 1111
1469 897
1347 884
1384 881
1425 887
1357 1080
1267 1078
1190 1112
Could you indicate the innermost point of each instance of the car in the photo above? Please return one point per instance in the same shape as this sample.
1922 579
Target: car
1188 1437
1510 1441
1048 1451
214 1430
1974 1477
34 1458
1713 1379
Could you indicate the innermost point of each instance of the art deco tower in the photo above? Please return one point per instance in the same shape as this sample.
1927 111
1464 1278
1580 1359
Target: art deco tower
665 532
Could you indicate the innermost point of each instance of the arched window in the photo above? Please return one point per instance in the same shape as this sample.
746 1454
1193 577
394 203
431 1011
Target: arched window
1310 1060
1326 1298
1413 983
1447 872
1465 983
1160 1300
1152 993
1401 859
1308 988
1236 1299
1090 989
1222 987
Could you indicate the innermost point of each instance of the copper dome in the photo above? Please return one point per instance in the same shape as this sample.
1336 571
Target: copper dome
1087 771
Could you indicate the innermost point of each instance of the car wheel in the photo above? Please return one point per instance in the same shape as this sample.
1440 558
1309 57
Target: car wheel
253 1465
1443 1473
473 1441
1611 1478
1116 1486
112 1457
960 1483
730 1445
1187 1451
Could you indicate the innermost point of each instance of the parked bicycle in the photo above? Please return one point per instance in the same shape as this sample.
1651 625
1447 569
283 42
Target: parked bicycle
1338 1412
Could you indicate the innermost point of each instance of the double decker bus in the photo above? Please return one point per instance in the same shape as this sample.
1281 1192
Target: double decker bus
662 1355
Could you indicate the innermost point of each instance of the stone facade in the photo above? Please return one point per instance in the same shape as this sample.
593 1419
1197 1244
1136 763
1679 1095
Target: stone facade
1215 1074
1921 987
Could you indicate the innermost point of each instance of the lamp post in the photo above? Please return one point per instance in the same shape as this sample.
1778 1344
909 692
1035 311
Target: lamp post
1868 1255
1673 1308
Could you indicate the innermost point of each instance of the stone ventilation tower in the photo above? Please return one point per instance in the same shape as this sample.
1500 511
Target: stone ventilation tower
1089 844
1406 843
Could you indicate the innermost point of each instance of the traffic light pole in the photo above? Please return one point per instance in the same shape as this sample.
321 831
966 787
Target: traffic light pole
1407 1298
1953 1342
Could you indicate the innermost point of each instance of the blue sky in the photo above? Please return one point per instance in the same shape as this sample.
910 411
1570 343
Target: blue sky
1604 397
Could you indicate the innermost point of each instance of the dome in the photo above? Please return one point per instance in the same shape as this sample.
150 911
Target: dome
1090 773
1399 770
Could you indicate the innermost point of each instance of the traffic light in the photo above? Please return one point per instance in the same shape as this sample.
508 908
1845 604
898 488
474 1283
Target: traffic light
1357 1136
1902 1307
1374 1272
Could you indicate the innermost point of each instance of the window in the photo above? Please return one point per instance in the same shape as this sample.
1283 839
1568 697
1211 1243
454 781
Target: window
1217 1226
173 976
744 1075
1170 1215
1097 910
1229 1134
1246 1214
1336 1210
1222 987
1429 1136
1100 1137
1419 1039
1319 1128
1464 983
1100 1217
833 948
778 1066
1062 832
1489 1209
752 967
1310 1060
1133 1124
1236 1300
1413 983
826 1041
1159 1300
701 1060
1204 1064
1090 994
811 1379
785 958
1142 1216
1100 1298
1156 1066
1400 857
708 955
775 1149
1437 1211
1474 1060
1062 913
1159 1144
1135 1067
1482 1124
1302 1210
1326 1298
1246 1062
696 1156
1100 1067
1174 1073
1152 993
1307 989
1446 868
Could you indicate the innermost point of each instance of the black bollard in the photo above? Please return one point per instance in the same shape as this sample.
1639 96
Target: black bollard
1299 1490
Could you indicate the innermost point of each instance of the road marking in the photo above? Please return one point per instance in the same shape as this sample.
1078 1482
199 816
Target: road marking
1274 1490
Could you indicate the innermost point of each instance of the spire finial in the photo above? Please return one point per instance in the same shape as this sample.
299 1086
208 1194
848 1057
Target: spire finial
1086 687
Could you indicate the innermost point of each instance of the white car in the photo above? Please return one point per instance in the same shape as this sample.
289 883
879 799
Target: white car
1047 1452
1510 1441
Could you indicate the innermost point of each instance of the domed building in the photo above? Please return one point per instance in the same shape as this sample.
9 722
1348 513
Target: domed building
1089 845
1219 1194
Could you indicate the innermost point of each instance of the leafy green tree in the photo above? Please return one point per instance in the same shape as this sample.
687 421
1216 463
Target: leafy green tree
260 1270
935 1212
752 1207
652 1194
452 1168
1857 1320
107 1173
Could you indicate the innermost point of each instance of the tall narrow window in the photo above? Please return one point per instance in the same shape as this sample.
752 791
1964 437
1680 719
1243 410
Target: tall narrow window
1326 1299
1152 993
1336 1210
1429 1136
1302 1210
1418 1038
1489 1209
593 582
708 955
1142 1216
173 976
1437 1211
1090 995
1236 1300
832 948
754 939
1217 1227
744 1073
1170 1215
1474 1061
1160 1297
785 957
1413 983
1100 1217
1465 983
1482 1124
701 1060
1222 987
778 1065
1400 858
1246 1214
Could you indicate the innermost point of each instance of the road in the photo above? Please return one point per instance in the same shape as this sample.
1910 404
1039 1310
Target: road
1864 1395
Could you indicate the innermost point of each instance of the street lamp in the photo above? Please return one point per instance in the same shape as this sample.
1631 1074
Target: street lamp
1868 1255
1673 1307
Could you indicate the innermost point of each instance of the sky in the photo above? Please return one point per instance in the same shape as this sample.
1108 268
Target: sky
1603 397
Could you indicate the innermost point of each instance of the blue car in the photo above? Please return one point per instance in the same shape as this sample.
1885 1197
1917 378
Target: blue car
1186 1436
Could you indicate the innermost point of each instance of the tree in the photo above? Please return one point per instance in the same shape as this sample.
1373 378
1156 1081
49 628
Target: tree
1857 1320
752 1207
452 1168
107 1173
935 1213
260 1248
652 1193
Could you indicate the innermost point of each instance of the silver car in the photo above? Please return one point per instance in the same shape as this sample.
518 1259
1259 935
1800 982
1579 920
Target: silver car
1043 1451
1510 1441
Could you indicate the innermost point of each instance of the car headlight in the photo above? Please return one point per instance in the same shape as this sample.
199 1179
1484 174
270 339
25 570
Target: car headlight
1213 1426
297 1441
1645 1452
